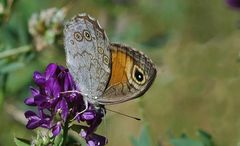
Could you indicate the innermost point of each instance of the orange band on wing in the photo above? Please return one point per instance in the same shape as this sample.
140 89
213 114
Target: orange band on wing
121 63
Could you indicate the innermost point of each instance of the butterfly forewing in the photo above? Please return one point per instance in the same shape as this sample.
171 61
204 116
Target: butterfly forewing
87 55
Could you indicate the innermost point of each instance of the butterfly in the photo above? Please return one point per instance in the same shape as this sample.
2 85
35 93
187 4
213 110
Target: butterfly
104 72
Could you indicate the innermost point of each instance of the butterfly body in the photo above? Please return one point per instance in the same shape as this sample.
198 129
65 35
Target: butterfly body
106 73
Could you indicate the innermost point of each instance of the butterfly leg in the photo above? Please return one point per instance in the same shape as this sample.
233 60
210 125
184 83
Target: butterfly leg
74 91
86 107
85 101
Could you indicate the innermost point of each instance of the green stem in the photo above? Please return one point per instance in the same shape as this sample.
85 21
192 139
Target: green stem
12 52
3 77
65 132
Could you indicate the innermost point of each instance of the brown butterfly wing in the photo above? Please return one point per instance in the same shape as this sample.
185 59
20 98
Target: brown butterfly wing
131 75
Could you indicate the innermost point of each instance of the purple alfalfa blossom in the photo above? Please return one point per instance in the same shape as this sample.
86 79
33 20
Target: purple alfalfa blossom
55 106
93 139
62 108
56 129
35 120
88 134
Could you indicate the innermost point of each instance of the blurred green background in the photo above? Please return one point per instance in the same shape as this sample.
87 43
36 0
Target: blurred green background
195 45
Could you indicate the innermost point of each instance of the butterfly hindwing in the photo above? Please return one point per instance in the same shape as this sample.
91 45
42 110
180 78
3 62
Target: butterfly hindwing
132 73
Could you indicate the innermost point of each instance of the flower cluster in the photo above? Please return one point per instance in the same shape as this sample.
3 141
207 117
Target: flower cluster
57 108
46 27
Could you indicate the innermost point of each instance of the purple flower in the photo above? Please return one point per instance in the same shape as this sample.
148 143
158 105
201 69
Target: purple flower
234 3
35 120
56 107
94 139
56 129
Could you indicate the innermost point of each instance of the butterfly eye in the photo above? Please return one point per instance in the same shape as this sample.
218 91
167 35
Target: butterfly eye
138 75
78 36
87 35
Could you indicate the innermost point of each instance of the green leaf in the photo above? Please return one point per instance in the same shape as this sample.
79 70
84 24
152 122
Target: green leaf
185 142
58 140
4 2
144 138
77 128
1 98
21 142
12 67
205 138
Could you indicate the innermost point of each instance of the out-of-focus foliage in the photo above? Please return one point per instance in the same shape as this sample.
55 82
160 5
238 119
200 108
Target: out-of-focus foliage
21 142
204 140
144 138
195 45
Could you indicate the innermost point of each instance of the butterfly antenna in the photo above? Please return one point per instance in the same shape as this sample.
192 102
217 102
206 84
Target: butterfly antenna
138 119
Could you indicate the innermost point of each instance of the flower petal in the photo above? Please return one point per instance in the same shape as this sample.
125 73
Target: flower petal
56 89
46 119
30 101
94 123
91 143
62 106
29 114
83 133
89 115
98 140
56 129
52 88
34 121
34 91
41 101
68 82
50 70
38 78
